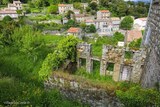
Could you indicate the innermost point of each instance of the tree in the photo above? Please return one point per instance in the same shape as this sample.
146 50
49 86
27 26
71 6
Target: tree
7 18
127 23
94 6
69 14
53 9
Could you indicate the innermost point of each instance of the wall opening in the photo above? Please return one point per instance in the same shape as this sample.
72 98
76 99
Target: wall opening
82 63
126 73
110 68
96 67
128 55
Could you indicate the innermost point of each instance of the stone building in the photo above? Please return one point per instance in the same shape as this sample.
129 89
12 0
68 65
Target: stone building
11 10
75 32
122 69
140 23
63 8
151 41
103 14
115 23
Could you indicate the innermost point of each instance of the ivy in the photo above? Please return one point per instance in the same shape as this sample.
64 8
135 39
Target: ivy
66 49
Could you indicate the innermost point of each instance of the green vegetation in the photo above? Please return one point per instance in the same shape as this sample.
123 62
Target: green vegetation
135 44
45 17
127 23
23 50
66 49
97 43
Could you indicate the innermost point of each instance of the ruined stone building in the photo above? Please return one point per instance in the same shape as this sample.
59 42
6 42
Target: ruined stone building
151 41
123 69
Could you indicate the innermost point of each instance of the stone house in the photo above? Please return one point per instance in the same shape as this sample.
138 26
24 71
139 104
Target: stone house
140 23
11 13
76 11
75 32
115 23
103 27
103 14
82 17
63 8
11 10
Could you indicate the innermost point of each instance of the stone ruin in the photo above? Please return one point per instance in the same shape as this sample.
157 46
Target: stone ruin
123 69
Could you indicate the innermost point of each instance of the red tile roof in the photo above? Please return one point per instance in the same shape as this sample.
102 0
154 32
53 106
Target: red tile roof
143 19
8 12
61 5
104 11
133 35
73 30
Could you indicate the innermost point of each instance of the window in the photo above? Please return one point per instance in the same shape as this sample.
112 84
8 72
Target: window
110 67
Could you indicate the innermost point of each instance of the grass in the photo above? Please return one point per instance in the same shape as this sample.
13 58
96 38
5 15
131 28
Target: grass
52 39
45 17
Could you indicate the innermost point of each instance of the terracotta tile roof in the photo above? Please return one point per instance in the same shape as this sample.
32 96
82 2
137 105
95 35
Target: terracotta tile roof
61 5
8 12
104 11
73 30
16 2
143 19
79 15
89 21
133 35
65 5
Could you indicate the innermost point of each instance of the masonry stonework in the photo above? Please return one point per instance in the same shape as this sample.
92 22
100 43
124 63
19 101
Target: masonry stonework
123 70
151 41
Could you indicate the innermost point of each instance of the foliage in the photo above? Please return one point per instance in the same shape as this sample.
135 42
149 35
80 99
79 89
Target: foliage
127 23
90 28
135 44
66 49
19 81
7 18
69 14
107 40
138 97
53 9
70 23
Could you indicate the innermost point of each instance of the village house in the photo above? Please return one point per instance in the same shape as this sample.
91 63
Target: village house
103 14
76 11
82 17
11 10
140 23
115 23
133 35
89 22
63 8
75 32
104 27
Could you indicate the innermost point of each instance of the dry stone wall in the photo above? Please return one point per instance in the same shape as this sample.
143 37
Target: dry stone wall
151 41
87 95
124 69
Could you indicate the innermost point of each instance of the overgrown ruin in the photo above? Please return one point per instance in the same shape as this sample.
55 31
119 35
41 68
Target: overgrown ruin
123 69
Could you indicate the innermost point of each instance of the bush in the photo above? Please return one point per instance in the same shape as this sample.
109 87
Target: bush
138 97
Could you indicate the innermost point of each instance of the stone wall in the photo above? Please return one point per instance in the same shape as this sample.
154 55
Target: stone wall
82 92
124 69
151 41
